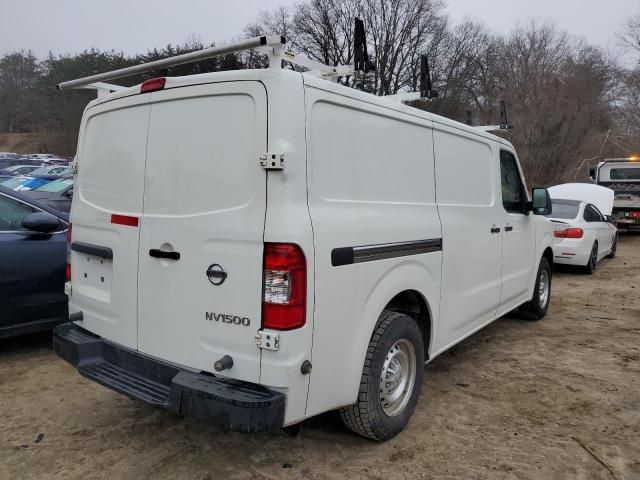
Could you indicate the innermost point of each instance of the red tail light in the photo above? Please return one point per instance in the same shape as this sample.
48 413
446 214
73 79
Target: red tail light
153 85
635 214
285 287
68 267
569 233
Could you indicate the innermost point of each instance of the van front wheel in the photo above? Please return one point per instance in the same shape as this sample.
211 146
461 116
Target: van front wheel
391 379
537 307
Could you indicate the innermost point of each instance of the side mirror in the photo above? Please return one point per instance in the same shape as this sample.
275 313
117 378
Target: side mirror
610 219
41 222
541 204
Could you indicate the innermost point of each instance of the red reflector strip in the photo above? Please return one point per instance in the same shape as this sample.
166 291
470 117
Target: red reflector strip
124 220
153 85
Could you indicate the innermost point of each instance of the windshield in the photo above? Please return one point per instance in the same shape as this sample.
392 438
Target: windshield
40 171
56 185
564 209
620 172
14 182
625 173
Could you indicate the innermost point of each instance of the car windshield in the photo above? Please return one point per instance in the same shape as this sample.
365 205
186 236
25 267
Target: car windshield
625 173
40 171
56 185
14 182
564 209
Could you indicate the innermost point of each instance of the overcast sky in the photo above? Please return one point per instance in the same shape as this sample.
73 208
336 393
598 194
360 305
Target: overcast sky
69 26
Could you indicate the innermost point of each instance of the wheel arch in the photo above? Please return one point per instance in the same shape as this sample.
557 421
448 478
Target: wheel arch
548 254
415 305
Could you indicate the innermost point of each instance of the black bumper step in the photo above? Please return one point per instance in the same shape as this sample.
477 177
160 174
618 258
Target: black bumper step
121 380
231 404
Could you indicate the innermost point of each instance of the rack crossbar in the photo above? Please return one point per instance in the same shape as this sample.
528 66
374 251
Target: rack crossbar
257 42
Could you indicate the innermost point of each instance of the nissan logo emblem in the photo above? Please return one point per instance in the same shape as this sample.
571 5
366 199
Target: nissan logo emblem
216 274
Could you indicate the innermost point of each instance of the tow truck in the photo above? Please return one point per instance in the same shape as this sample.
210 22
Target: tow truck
622 175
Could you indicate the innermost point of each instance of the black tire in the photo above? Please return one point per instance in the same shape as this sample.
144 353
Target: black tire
592 263
614 247
537 307
367 416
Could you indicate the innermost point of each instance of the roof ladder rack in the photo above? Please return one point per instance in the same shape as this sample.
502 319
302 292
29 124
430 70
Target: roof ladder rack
271 43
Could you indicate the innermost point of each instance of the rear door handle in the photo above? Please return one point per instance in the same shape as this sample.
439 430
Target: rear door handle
157 253
495 229
508 228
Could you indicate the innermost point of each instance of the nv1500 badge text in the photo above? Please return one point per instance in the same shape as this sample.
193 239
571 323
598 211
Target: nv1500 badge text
227 318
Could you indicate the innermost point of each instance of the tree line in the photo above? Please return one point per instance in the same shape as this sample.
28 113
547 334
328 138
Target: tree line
571 103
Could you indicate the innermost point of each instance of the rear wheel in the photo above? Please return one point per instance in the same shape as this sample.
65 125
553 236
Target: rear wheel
391 379
614 247
537 307
590 268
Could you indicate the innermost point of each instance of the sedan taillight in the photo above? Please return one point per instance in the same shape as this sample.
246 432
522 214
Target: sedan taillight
569 233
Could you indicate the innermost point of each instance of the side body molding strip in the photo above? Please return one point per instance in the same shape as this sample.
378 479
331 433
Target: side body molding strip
370 253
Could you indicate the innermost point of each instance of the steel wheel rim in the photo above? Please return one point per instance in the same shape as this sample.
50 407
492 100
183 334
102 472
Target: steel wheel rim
543 288
398 377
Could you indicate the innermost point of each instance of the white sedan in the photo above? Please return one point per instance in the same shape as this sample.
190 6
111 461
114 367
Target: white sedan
583 235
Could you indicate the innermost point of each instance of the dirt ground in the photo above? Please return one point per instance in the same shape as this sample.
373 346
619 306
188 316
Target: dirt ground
555 399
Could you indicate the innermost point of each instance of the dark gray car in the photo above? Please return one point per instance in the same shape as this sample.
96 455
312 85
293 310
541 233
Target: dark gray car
33 256
57 194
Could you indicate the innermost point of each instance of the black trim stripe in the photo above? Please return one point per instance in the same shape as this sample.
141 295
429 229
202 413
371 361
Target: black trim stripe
96 250
370 253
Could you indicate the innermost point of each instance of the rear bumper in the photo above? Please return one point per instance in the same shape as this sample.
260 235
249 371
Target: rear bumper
230 404
571 252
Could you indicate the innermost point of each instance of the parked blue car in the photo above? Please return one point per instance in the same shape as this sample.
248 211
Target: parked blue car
33 253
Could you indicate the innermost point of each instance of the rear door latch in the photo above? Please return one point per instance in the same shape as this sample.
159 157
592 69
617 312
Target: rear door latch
73 166
272 161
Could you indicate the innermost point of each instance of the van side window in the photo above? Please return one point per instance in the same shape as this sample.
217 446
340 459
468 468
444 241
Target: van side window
513 196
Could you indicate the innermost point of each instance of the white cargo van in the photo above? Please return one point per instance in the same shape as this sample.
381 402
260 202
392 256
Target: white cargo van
257 247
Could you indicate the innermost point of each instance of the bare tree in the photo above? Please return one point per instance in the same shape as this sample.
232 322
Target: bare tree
630 35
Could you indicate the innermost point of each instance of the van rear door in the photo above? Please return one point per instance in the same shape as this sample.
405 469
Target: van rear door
201 232
107 204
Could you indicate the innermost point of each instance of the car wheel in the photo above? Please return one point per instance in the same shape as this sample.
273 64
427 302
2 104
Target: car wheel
590 268
537 307
391 379
614 247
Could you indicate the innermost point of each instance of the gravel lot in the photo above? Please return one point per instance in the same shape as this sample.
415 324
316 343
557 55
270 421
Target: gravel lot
556 399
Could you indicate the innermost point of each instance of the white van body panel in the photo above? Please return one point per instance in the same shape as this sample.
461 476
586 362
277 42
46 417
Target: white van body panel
360 172
158 158
370 180
109 306
519 242
288 221
469 206
210 218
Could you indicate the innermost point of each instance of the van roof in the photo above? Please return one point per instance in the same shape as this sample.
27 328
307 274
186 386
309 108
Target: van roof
267 75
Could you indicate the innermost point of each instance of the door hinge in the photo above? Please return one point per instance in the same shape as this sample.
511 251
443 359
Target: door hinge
74 167
268 340
68 290
272 161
